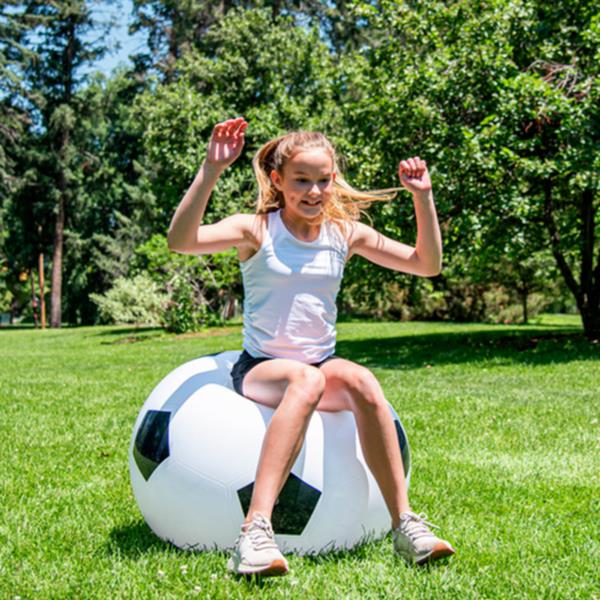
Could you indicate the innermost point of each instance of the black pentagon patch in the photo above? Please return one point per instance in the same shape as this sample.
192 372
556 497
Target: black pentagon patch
294 506
151 444
403 446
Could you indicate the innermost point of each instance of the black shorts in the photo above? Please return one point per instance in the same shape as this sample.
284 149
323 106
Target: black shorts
246 362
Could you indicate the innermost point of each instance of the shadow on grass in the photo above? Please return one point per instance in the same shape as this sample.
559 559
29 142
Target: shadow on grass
126 331
133 540
539 345
127 335
529 346
142 334
363 553
136 540
130 339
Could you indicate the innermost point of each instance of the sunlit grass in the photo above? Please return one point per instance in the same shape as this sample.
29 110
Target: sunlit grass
503 422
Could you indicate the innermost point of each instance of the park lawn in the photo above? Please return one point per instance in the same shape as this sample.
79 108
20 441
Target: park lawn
504 427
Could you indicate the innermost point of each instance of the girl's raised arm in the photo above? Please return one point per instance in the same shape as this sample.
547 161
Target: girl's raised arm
185 232
426 257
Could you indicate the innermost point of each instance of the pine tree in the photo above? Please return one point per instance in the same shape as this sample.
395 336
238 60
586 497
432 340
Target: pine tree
61 41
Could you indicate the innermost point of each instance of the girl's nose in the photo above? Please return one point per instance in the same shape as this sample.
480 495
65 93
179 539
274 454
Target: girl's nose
314 190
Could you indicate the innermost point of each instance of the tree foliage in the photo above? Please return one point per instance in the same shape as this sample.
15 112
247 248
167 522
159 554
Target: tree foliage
501 99
57 50
239 79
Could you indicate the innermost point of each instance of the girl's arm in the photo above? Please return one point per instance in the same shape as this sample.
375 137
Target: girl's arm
186 234
426 257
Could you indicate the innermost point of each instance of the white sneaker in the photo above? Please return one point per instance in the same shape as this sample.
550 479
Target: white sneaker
255 550
414 541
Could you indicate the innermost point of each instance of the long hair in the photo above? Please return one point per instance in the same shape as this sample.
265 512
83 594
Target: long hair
346 204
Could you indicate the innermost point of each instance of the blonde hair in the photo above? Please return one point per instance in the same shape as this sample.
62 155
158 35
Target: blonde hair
346 203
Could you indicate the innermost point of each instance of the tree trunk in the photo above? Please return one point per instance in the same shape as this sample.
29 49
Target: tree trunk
42 295
524 296
229 307
59 235
56 294
587 292
591 323
63 138
590 277
34 300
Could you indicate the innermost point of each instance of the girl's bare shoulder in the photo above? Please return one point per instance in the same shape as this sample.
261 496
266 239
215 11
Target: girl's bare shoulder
360 234
348 229
253 227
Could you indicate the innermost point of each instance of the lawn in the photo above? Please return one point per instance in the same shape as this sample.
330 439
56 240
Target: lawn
502 420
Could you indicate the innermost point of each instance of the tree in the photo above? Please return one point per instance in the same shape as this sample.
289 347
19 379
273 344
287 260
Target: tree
175 28
60 44
113 209
17 105
502 99
545 132
15 98
179 115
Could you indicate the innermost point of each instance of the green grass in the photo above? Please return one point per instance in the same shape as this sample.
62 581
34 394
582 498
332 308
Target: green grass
503 422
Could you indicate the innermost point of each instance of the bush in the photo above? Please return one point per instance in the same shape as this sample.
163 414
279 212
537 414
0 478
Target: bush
504 307
201 289
137 301
187 309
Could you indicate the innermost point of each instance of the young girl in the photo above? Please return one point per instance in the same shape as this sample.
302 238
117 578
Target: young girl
292 255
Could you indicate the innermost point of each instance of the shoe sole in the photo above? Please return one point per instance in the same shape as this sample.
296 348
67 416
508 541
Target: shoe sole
439 551
276 568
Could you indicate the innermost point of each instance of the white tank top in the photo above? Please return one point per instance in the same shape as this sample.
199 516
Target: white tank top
290 287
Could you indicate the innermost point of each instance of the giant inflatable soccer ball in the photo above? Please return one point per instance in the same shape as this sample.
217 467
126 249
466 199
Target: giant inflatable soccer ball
193 457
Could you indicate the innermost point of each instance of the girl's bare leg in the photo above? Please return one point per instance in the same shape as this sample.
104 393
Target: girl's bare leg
350 386
294 390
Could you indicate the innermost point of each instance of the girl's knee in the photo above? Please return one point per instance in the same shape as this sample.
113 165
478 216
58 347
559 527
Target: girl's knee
309 383
365 391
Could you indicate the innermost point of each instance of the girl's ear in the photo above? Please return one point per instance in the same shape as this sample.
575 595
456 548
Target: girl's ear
276 179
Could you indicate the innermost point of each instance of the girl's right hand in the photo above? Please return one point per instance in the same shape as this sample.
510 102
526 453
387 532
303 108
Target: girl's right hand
226 142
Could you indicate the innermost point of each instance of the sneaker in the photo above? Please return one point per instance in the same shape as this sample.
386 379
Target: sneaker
256 552
414 541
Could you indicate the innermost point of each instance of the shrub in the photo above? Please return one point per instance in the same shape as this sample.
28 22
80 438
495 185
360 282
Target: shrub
137 301
200 289
187 309
504 307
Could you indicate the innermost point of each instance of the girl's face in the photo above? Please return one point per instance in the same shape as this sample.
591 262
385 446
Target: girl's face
306 182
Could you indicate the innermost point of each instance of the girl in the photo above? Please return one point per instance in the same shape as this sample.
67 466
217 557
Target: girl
292 255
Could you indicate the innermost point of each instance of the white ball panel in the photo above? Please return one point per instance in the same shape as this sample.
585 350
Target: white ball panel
189 510
219 433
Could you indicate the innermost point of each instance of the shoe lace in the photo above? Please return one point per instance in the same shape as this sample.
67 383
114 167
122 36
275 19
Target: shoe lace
417 526
260 533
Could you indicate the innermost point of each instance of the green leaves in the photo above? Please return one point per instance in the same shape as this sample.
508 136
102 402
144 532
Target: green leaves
200 289
136 301
501 98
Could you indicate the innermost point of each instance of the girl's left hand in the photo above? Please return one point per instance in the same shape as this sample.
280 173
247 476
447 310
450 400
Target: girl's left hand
414 175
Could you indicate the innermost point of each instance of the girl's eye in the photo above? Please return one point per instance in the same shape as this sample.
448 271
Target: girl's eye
303 180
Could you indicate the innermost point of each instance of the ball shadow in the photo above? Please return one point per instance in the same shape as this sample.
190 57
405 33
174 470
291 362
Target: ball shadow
133 540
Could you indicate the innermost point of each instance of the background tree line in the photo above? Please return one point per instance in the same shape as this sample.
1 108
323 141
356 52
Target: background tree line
501 99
